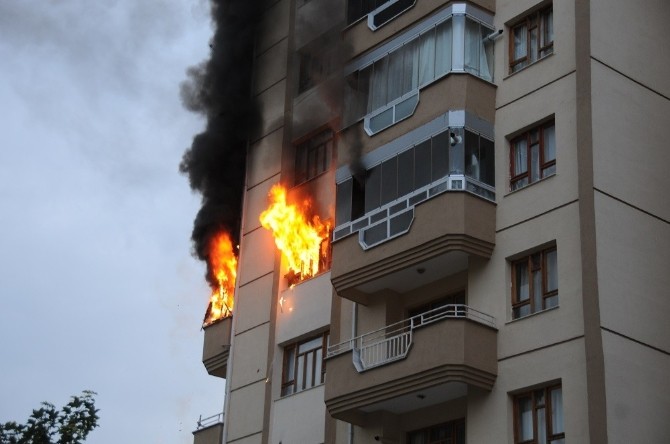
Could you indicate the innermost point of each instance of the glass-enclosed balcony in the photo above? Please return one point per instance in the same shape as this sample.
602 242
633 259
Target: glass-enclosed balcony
383 85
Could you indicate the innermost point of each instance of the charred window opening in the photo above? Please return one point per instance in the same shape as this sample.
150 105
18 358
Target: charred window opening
314 156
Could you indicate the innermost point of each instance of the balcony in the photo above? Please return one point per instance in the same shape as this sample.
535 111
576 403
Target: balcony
209 430
427 359
441 233
217 346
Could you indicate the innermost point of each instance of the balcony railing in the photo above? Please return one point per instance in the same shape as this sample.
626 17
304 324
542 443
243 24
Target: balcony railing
209 421
392 343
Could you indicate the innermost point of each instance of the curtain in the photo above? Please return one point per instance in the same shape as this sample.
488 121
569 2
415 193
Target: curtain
557 411
472 46
521 156
427 57
443 48
549 143
520 42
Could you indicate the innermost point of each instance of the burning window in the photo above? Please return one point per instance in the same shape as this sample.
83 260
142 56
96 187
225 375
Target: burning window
221 274
302 237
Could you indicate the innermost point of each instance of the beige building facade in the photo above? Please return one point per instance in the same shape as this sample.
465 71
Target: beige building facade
498 268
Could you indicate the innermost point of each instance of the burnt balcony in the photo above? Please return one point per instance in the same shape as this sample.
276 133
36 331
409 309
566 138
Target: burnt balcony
217 347
421 361
209 430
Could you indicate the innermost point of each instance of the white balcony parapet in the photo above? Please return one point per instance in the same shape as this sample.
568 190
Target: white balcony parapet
209 421
392 343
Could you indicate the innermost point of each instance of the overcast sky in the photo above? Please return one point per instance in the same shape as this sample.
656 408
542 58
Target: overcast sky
97 286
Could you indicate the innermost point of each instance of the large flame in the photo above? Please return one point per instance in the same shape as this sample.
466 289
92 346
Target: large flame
303 242
223 269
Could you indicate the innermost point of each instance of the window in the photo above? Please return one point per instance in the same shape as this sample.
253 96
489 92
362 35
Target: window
452 432
357 9
538 416
313 156
531 39
534 283
533 156
387 88
304 364
432 160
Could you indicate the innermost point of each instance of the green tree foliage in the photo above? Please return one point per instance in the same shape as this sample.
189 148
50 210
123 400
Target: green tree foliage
46 425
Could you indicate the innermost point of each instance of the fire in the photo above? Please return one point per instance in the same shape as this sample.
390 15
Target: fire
222 264
303 242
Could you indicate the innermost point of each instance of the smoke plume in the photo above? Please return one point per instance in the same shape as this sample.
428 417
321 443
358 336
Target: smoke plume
220 89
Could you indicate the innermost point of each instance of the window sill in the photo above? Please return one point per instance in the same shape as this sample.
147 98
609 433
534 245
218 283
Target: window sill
527 66
511 321
509 193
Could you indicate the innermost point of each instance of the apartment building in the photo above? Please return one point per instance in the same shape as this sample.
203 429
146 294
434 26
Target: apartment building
497 271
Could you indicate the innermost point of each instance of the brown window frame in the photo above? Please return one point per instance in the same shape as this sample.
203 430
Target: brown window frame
291 384
536 405
314 156
532 266
536 21
429 439
546 167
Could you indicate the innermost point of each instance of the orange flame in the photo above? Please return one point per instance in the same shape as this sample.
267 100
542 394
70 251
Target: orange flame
223 267
300 240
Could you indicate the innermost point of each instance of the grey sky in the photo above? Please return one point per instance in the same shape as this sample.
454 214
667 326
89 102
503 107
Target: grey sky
97 288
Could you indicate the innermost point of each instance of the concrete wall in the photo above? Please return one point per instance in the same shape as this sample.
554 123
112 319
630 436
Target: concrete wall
299 418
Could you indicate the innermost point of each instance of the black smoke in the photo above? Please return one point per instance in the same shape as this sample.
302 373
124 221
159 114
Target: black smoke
220 89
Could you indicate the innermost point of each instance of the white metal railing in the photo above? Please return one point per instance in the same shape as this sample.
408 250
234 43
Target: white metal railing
209 421
392 342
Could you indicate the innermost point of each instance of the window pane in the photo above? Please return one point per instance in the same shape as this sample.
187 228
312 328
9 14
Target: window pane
549 171
520 183
422 164
363 87
406 172
343 202
533 45
472 155
487 161
549 143
379 84
557 411
551 301
310 345
289 361
319 366
534 162
473 45
440 160
520 44
389 180
427 57
541 426
300 376
443 48
411 66
522 293
525 420
520 153
547 27
372 188
309 369
537 290
395 74
521 311
552 271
